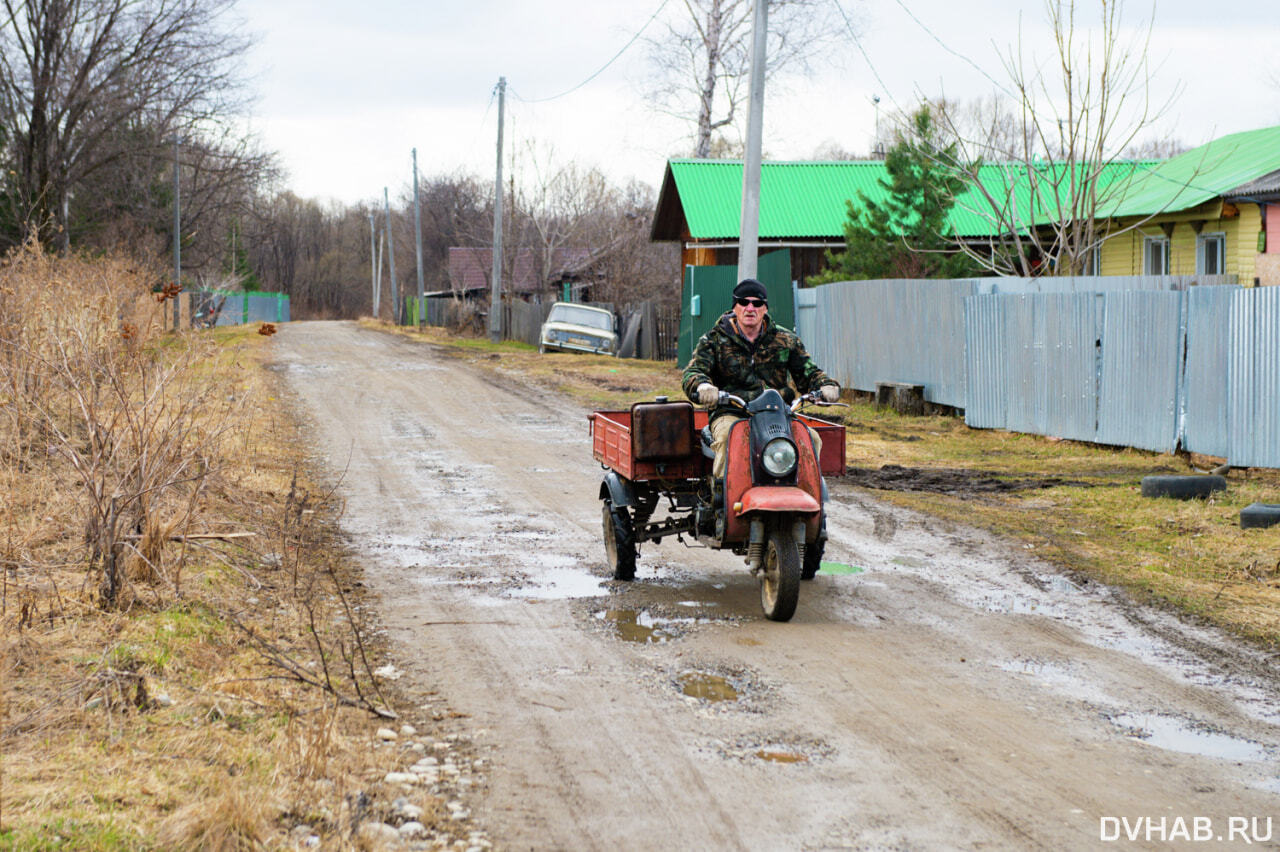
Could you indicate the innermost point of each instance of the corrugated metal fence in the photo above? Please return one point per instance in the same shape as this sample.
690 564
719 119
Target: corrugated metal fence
1253 402
222 307
1145 362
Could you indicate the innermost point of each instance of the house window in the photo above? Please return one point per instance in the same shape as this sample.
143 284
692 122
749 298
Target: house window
1210 254
1155 256
1093 261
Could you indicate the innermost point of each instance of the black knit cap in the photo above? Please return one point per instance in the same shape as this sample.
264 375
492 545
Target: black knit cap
750 288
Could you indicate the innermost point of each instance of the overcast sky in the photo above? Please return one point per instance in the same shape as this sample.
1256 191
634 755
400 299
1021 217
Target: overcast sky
346 90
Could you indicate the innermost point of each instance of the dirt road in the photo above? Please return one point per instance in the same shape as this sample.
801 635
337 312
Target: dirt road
953 694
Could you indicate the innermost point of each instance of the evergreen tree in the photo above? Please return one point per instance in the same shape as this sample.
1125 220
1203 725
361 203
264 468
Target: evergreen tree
905 236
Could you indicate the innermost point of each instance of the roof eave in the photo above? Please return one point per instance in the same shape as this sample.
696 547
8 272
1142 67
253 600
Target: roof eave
669 222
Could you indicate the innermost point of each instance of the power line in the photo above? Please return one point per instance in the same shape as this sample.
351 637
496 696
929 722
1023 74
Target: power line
602 68
858 43
948 49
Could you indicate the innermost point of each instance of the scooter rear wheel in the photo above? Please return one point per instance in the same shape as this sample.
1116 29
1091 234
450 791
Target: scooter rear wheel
619 542
780 574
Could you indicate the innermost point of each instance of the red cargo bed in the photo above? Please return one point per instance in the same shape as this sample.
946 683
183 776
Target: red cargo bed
611 446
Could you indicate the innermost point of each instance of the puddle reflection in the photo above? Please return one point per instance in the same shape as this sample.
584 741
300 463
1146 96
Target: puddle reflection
1174 734
708 687
632 626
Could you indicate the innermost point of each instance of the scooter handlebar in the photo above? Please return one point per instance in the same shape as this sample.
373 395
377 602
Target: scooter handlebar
814 398
811 398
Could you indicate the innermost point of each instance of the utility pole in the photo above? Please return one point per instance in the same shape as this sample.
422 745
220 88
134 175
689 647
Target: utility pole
749 230
177 236
373 263
417 240
495 295
391 255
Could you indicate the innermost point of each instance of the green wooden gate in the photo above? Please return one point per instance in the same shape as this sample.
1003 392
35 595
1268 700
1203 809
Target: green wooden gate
708 293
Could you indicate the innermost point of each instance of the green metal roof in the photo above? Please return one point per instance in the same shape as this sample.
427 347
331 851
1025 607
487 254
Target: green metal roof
807 199
796 199
1201 174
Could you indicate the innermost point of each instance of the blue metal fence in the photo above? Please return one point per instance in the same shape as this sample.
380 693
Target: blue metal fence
1140 348
1148 362
223 307
1204 404
1254 379
912 330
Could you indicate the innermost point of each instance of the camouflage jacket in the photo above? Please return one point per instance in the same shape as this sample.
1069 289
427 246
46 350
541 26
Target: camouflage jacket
729 361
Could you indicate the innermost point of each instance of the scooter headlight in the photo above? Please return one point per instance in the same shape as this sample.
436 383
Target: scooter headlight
779 457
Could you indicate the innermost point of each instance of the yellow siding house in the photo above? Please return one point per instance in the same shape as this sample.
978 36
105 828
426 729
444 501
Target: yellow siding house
1214 210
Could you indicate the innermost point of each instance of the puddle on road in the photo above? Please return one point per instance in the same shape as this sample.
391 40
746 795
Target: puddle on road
1060 678
1271 785
556 584
782 756
644 627
708 687
632 626
1173 734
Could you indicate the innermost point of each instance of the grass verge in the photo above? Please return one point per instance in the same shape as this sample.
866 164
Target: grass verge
186 658
1073 504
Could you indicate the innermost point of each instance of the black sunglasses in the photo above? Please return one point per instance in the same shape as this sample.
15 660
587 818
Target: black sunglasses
755 303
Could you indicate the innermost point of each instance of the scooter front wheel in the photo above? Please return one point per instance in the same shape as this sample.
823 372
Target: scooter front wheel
780 573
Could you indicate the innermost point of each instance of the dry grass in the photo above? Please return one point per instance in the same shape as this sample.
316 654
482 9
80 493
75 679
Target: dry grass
213 693
1191 556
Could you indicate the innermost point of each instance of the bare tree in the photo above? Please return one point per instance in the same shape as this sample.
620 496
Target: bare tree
1076 115
1156 148
556 207
77 74
702 60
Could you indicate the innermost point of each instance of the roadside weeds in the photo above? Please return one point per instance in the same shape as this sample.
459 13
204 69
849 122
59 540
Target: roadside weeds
187 656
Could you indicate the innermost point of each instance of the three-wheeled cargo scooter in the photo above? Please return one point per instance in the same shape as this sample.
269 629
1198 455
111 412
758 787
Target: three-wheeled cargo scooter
768 506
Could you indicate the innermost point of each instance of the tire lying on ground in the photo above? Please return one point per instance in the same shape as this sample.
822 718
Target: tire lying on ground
1182 487
1258 515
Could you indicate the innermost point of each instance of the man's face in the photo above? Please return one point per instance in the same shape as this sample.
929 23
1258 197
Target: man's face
750 313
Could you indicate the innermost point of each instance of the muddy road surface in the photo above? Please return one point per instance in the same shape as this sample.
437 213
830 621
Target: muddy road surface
948 691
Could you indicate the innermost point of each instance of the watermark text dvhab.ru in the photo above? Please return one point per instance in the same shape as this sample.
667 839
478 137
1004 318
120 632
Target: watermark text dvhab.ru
1201 829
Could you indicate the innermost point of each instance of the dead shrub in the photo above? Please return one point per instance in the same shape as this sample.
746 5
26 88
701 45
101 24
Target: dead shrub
235 818
101 401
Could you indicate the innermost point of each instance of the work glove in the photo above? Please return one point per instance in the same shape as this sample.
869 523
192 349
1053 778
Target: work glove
830 393
708 394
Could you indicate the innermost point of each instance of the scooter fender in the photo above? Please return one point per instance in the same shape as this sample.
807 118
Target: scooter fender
777 498
782 499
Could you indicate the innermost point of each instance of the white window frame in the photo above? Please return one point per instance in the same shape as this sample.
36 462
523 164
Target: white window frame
1203 241
1150 243
1093 263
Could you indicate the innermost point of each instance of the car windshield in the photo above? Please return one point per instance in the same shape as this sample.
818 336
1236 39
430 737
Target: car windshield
579 315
